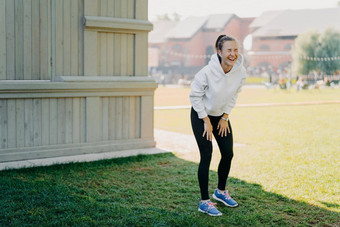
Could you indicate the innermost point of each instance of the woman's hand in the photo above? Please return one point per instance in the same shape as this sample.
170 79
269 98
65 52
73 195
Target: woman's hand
223 128
207 128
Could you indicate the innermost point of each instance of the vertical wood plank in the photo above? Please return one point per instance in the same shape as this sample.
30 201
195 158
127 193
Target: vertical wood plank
68 120
82 120
124 55
27 40
35 40
132 118
3 60
124 9
112 117
3 123
102 53
61 121
29 131
119 118
110 62
91 7
76 120
59 61
105 118
93 119
11 127
45 121
90 53
138 117
67 37
117 55
20 119
80 37
141 54
74 37
131 9
10 39
130 55
110 8
50 59
43 38
147 117
53 133
142 9
126 117
37 127
103 4
117 8
19 39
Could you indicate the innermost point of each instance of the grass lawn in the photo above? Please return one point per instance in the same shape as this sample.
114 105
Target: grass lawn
293 151
287 174
180 96
157 190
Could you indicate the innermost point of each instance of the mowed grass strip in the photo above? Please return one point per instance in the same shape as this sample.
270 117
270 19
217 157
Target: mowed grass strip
170 96
156 190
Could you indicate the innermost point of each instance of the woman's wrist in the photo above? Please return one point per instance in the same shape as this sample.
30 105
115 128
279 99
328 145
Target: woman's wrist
206 119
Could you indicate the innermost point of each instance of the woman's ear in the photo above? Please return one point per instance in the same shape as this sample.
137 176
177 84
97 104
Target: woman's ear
219 53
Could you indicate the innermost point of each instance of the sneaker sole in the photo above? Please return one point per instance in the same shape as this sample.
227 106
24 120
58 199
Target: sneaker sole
218 199
214 215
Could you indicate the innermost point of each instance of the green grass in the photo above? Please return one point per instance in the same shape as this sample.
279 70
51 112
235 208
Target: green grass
180 96
256 80
157 190
293 151
287 174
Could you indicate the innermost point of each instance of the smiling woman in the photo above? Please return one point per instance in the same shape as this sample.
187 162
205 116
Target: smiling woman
213 94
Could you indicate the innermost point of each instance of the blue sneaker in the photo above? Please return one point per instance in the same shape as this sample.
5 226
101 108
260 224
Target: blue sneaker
209 208
225 198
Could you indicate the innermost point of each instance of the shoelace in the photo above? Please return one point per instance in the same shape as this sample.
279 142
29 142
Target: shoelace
212 205
226 194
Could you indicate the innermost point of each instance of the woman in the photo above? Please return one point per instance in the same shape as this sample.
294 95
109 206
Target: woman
213 94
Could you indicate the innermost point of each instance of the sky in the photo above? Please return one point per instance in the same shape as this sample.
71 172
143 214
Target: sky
242 8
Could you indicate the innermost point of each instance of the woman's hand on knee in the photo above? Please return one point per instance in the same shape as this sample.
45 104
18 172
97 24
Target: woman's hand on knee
207 128
223 128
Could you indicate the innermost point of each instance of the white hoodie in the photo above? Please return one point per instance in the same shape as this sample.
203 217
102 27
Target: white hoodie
214 92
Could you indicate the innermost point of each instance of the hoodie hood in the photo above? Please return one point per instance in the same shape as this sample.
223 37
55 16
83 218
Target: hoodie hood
216 68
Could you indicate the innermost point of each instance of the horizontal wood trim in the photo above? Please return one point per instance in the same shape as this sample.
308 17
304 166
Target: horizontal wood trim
39 89
111 24
104 79
17 154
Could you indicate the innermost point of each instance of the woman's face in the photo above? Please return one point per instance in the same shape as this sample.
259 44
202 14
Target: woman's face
229 53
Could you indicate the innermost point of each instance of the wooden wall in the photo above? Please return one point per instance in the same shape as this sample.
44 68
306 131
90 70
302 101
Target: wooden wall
73 77
25 40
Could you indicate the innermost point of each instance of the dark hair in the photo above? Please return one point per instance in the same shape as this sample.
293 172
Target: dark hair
220 41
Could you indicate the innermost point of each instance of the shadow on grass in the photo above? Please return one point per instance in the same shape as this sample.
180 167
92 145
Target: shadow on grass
154 190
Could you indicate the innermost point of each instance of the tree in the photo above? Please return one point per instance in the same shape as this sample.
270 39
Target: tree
329 48
315 52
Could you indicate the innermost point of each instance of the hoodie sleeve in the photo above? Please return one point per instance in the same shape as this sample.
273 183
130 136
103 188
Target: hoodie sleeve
198 87
232 103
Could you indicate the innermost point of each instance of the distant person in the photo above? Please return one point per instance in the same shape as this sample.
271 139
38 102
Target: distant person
213 94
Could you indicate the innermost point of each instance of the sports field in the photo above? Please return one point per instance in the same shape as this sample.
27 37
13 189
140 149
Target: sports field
290 150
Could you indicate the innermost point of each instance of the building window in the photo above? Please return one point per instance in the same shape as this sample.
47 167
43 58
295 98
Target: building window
264 47
177 47
288 47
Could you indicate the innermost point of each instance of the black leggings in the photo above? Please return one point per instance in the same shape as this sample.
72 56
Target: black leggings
205 147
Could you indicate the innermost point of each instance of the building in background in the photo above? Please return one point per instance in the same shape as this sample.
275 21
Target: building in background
183 47
274 33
